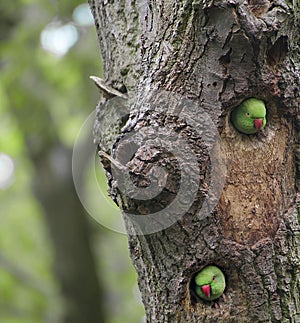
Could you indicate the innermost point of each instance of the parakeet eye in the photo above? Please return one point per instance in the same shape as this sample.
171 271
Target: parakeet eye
248 114
214 277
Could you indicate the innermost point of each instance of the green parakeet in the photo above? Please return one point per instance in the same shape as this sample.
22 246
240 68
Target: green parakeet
210 283
250 116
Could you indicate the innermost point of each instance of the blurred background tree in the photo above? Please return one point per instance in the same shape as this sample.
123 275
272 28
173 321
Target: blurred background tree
57 264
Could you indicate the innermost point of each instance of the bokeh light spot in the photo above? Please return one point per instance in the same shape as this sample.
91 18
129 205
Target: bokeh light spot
58 39
7 171
82 15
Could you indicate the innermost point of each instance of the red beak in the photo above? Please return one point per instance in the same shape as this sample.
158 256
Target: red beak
258 123
206 290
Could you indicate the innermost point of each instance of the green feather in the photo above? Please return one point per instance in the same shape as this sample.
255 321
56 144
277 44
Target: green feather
243 117
212 276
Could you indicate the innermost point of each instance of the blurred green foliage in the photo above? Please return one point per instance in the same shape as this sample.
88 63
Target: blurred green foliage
32 77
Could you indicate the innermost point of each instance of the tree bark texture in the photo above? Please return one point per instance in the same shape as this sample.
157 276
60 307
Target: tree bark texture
214 54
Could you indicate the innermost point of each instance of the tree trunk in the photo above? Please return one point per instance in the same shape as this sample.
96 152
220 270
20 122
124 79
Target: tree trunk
193 190
74 264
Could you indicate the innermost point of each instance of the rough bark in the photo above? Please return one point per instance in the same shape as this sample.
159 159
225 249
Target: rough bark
171 56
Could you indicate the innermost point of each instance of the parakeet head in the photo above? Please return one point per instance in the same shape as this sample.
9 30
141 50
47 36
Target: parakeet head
210 283
250 116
